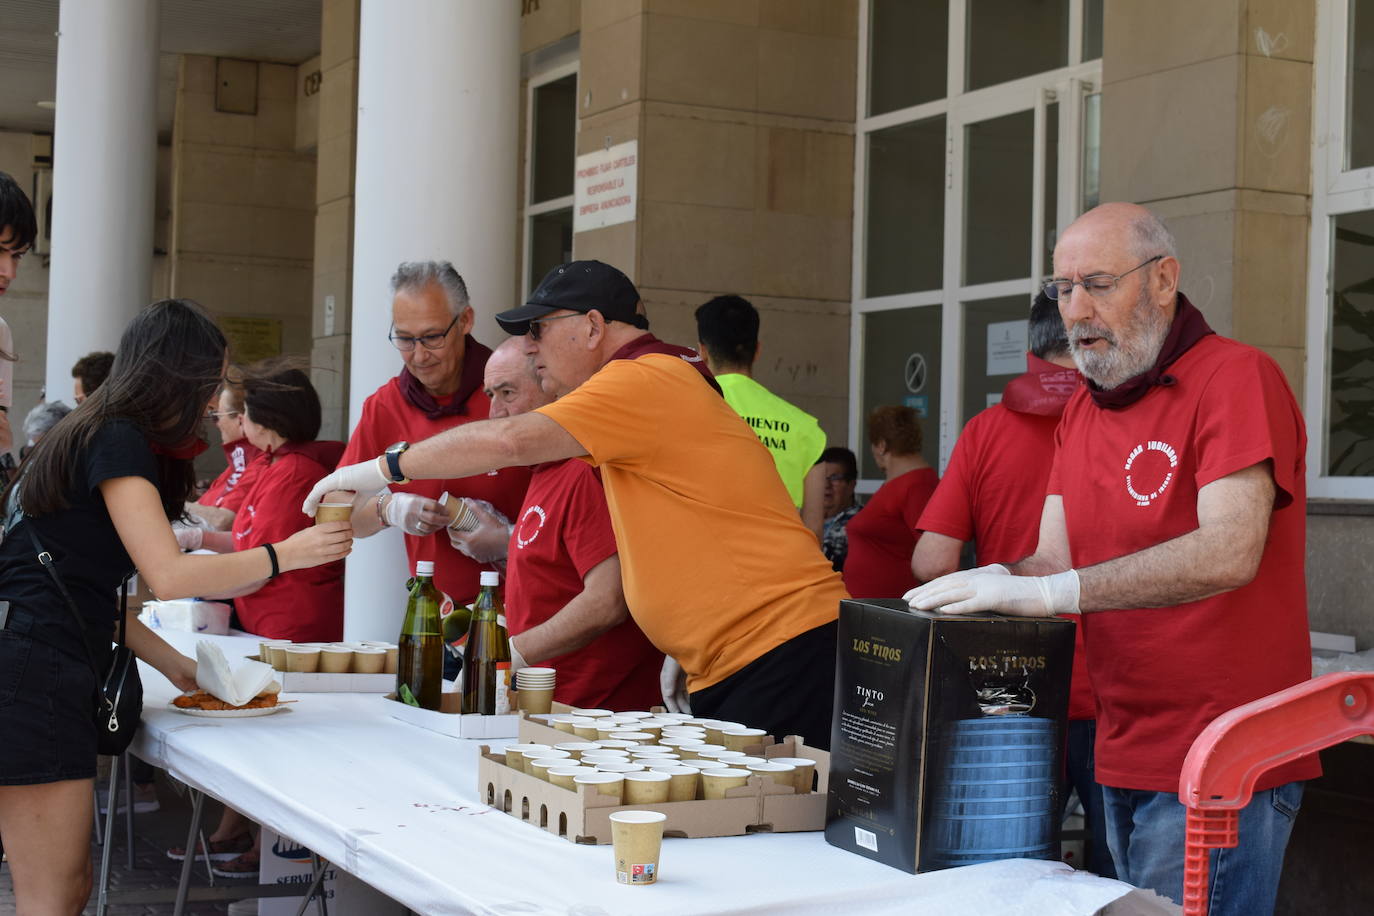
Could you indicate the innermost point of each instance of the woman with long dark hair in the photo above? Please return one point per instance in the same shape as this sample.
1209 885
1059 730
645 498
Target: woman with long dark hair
99 492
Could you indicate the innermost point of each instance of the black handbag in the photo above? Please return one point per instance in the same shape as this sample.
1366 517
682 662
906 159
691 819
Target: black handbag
119 691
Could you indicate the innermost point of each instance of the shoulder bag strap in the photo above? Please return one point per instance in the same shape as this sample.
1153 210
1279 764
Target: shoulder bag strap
46 559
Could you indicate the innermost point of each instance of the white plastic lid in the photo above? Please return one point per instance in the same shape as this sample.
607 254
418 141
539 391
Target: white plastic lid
490 577
424 568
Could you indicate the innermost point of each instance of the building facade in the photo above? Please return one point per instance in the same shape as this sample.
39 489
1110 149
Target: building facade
884 179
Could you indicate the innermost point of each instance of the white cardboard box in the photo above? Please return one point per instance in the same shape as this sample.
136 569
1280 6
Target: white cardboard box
286 862
449 721
316 682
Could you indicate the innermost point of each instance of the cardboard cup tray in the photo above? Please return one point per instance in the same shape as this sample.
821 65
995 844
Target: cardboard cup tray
449 719
584 816
320 682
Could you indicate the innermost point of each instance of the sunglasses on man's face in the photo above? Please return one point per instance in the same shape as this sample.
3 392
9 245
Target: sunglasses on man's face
536 330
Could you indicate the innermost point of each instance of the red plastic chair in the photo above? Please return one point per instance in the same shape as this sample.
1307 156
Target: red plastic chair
1220 770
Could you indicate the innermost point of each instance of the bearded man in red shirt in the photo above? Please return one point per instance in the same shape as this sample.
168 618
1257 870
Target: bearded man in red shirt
1174 522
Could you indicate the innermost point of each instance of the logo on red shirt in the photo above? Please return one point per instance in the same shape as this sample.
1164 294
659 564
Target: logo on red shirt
1149 469
531 523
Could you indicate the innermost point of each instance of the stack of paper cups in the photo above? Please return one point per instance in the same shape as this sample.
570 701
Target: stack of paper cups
535 687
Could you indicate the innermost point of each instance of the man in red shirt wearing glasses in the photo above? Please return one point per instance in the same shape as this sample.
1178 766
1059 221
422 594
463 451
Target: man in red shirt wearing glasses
1174 522
439 387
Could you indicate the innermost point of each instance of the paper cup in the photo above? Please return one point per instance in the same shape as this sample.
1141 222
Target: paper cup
539 766
563 721
741 739
715 783
335 507
619 766
803 772
646 788
393 659
782 774
683 782
302 658
743 761
535 701
653 750
369 660
577 748
636 737
714 754
616 744
544 753
276 655
535 676
608 784
460 514
676 716
336 659
637 838
563 776
585 729
703 764
592 758
265 646
592 713
515 754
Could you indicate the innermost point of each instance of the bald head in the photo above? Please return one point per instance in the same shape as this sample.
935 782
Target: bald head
510 382
1116 330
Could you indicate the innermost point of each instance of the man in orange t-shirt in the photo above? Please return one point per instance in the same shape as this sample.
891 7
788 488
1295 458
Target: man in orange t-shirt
719 571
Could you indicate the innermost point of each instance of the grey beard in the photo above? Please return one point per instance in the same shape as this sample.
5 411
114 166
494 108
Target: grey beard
1122 360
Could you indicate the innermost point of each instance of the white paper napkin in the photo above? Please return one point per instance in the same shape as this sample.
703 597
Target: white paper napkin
235 687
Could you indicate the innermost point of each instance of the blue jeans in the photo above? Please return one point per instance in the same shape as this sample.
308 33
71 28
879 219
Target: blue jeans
1146 833
1082 737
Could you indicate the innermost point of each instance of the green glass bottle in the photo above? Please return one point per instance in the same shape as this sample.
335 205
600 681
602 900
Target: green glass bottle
420 662
486 654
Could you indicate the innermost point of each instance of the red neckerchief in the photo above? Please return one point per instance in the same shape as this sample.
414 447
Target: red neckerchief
648 343
475 357
1188 328
186 450
1043 390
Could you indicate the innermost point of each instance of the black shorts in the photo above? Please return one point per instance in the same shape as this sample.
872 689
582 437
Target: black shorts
47 726
789 690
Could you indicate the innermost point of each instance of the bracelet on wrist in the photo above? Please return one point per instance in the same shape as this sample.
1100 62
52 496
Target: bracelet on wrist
272 555
381 510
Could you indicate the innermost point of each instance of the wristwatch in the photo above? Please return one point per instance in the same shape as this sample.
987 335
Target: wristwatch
393 462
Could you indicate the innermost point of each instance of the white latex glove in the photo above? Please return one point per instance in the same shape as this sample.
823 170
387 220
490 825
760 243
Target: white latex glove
672 683
517 661
490 540
189 537
414 514
986 590
366 477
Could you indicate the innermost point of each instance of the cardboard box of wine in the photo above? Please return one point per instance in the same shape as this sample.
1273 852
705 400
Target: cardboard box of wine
946 743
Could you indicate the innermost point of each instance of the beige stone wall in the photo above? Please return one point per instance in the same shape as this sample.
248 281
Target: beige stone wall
744 113
1206 118
243 202
335 136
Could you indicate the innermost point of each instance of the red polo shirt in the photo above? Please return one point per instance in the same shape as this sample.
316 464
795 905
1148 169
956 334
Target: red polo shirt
563 531
305 605
1130 479
883 535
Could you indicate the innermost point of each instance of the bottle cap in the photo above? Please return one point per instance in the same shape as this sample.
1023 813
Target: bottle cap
490 577
424 568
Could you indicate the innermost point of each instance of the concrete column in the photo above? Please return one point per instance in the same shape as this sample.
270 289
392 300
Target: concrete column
438 96
104 165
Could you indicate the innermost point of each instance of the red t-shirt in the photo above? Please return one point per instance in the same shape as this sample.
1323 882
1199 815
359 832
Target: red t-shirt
305 605
241 457
1129 479
993 493
883 535
563 531
388 418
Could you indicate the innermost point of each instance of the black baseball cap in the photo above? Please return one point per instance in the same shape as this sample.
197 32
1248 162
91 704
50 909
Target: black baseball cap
579 286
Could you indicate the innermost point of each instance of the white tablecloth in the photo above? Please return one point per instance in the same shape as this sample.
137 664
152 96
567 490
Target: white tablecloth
396 806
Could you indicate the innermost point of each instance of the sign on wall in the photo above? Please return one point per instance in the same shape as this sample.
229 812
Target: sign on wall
606 184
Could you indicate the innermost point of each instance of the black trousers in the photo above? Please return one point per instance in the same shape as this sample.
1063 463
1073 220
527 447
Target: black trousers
789 690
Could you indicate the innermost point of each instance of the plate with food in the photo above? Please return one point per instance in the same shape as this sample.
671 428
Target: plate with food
202 703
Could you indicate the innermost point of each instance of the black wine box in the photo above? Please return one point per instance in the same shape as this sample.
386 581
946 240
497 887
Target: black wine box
948 735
